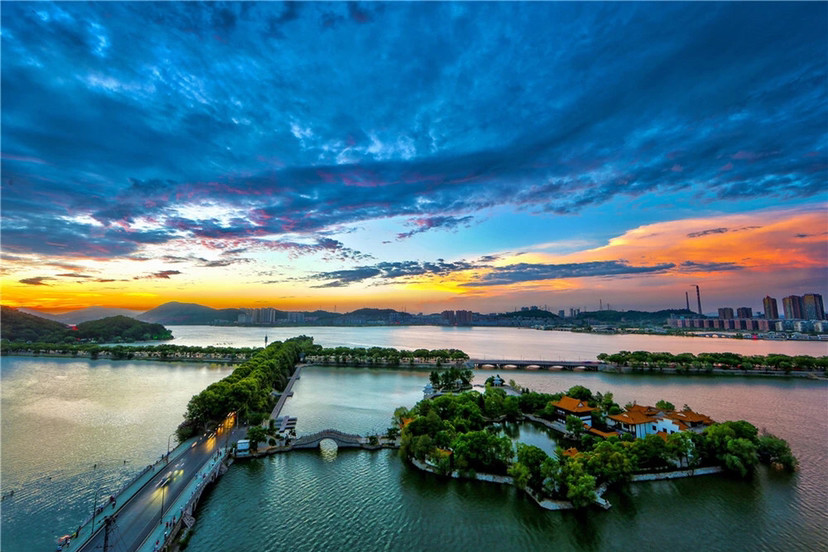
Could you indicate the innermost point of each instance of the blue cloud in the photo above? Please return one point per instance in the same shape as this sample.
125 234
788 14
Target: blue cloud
528 272
311 116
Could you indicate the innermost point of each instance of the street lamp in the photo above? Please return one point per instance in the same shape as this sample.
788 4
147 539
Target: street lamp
168 446
95 508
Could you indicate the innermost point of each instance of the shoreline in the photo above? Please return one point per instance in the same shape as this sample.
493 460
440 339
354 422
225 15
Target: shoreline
628 370
80 356
559 505
605 369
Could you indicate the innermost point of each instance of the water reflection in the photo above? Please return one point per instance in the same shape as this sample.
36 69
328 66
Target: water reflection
530 433
328 449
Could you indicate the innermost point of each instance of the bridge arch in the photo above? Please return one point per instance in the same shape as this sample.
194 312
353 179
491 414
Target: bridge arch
342 440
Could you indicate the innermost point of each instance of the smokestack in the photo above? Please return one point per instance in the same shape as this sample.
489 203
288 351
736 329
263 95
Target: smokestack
600 304
687 298
698 298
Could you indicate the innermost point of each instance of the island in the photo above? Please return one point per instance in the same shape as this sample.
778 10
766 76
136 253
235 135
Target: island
455 434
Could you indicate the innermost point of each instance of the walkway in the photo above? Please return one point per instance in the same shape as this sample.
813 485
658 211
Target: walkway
288 392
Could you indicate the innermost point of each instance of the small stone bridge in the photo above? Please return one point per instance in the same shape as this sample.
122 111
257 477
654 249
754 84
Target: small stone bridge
342 440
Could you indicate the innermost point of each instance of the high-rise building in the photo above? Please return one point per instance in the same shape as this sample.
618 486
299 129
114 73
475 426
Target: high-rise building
792 306
726 313
771 307
812 306
744 312
464 317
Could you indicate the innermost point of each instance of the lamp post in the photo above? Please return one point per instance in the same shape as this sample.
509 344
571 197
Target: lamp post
168 446
95 508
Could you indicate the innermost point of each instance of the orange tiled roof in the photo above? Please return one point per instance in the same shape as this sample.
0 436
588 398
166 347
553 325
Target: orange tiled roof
604 434
571 404
662 434
688 416
571 452
634 417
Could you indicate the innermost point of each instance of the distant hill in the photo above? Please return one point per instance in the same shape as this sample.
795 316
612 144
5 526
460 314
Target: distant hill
84 315
115 328
16 325
632 316
175 313
20 326
531 313
378 314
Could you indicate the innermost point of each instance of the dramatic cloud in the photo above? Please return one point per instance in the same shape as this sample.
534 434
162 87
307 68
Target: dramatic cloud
117 116
387 272
36 281
163 275
425 224
707 232
525 272
691 266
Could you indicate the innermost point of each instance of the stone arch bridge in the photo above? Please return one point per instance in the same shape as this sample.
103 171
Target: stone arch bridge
342 440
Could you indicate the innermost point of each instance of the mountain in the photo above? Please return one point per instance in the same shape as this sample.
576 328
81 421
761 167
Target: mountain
173 313
84 315
377 313
114 328
20 326
16 325
632 316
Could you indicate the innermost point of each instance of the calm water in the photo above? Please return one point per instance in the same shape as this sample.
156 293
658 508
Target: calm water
360 500
61 416
481 342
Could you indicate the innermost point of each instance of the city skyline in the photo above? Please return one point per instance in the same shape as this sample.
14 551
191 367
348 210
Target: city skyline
335 156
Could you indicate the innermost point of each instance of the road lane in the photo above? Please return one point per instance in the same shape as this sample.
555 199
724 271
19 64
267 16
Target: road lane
140 515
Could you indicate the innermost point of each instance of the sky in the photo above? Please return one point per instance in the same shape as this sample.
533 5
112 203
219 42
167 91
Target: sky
416 156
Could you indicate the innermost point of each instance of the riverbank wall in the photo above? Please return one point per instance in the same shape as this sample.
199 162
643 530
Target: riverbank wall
136 356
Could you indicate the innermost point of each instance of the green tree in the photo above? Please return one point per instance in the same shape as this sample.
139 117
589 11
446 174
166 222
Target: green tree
610 461
680 448
575 426
740 456
256 434
482 451
580 392
665 405
773 450
533 459
520 475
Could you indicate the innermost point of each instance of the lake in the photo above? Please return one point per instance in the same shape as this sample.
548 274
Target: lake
60 417
486 342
